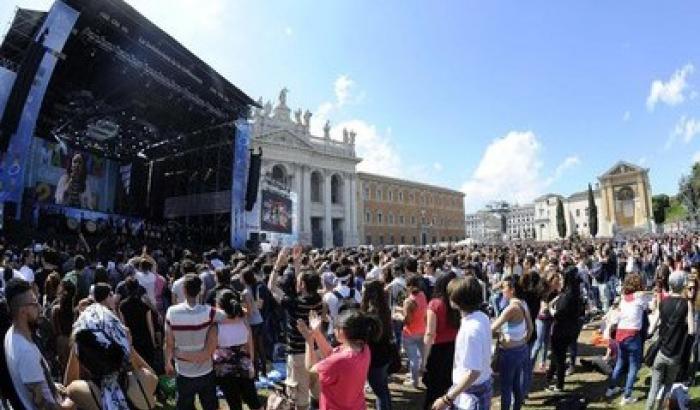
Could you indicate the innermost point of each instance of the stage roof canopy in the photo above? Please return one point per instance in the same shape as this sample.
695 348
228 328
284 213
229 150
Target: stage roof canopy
125 88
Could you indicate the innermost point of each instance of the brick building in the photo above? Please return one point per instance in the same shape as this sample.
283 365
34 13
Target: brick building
394 211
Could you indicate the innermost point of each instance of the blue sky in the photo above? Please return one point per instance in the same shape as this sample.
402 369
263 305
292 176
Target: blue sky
501 99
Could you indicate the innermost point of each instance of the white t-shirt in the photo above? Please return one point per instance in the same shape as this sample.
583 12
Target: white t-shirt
24 362
374 274
26 273
334 304
472 352
148 282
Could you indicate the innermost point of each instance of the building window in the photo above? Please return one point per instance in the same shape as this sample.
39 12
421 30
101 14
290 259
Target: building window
578 213
366 195
379 218
400 219
369 239
403 239
413 219
336 189
390 219
391 195
586 212
400 196
279 175
434 220
378 195
316 187
368 217
391 240
414 240
434 239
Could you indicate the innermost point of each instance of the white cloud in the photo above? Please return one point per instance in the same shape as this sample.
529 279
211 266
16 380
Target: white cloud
696 157
378 154
511 169
687 128
342 85
670 92
626 116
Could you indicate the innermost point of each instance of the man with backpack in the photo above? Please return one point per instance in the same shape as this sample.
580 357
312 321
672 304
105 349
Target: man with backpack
342 297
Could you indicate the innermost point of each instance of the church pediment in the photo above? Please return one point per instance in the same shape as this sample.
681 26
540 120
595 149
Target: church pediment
287 139
622 168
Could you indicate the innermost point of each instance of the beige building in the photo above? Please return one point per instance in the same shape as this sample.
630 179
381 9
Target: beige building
394 211
623 200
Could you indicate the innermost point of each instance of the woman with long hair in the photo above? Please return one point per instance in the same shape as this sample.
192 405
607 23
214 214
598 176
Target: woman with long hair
253 301
342 371
374 301
62 317
442 324
72 188
565 309
548 290
414 309
514 327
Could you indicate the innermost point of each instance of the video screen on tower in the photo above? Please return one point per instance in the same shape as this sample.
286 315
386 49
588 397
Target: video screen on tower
276 212
72 178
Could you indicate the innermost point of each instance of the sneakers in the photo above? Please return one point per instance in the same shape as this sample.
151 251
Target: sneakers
627 400
612 392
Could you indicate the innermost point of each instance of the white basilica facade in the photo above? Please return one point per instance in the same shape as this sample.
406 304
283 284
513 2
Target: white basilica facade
320 170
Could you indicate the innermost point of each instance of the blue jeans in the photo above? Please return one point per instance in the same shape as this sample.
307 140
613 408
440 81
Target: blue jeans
512 364
413 345
378 379
573 347
604 295
397 328
529 368
544 332
630 357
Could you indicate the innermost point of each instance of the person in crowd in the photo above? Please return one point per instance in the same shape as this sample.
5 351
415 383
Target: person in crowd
414 309
234 354
530 284
548 289
223 282
29 373
254 304
514 327
374 301
676 323
442 324
50 295
341 371
62 316
80 277
299 296
138 318
398 292
341 297
565 309
189 328
633 305
471 373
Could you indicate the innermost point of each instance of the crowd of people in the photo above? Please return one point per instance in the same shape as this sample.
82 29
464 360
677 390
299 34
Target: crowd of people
97 328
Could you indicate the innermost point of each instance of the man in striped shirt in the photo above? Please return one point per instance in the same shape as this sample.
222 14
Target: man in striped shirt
189 331
298 295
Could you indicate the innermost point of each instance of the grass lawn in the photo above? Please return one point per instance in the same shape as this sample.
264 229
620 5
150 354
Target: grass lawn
591 385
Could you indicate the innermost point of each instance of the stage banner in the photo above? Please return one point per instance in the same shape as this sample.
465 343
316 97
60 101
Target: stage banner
7 79
238 184
55 30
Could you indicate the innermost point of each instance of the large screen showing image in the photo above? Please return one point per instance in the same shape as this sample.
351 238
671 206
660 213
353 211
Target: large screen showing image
72 178
275 212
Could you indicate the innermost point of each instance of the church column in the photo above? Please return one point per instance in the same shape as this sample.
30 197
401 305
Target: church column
327 221
297 188
306 203
348 198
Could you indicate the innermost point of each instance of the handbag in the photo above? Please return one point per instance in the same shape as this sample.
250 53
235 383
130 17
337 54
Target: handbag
278 399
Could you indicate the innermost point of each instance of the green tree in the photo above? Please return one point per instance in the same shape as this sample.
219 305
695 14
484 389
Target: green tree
689 192
659 205
561 221
592 213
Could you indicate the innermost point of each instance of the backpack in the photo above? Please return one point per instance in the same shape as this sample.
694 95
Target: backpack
346 303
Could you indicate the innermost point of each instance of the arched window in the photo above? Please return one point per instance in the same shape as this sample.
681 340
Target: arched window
379 218
279 174
316 187
336 189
